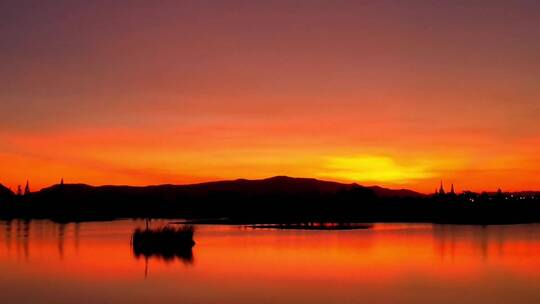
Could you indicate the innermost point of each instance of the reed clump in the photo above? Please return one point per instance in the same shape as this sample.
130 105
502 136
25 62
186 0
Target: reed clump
165 242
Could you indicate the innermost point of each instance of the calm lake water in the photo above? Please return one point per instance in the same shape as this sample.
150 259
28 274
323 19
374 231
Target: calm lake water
44 262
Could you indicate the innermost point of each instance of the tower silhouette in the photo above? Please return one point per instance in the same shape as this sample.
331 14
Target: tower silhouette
441 190
27 188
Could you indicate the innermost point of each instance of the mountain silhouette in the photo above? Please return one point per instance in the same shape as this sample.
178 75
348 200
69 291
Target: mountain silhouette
5 193
273 185
279 199
385 192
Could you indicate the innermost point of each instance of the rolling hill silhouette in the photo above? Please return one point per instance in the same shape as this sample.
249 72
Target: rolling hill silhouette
279 199
5 192
270 186
385 192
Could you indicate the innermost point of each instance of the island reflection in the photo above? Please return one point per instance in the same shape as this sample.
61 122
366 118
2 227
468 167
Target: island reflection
165 243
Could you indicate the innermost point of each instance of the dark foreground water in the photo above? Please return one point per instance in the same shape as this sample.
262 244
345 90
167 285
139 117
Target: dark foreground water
43 262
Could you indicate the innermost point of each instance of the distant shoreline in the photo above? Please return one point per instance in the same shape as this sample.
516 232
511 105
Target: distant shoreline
354 225
277 200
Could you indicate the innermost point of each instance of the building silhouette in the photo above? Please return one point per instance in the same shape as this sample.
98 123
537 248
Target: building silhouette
452 192
442 193
441 190
27 188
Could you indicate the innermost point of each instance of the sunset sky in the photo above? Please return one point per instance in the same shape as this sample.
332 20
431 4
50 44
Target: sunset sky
400 94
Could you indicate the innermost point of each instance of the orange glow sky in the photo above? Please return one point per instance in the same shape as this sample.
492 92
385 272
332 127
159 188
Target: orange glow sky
380 92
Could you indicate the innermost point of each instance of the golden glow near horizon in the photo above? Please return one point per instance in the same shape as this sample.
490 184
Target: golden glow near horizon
394 94
371 168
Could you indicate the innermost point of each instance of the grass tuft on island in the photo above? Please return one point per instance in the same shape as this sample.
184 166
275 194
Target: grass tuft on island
165 242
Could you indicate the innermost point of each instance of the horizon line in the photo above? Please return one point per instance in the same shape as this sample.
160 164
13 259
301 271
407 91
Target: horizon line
368 185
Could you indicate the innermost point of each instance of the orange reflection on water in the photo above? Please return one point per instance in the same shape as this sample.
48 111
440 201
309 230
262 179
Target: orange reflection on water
236 264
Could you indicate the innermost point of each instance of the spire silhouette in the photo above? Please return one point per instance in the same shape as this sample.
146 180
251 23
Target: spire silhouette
27 188
441 189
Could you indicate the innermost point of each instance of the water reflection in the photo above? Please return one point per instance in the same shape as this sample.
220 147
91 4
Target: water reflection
449 241
61 232
23 237
26 238
7 235
76 233
418 263
483 242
